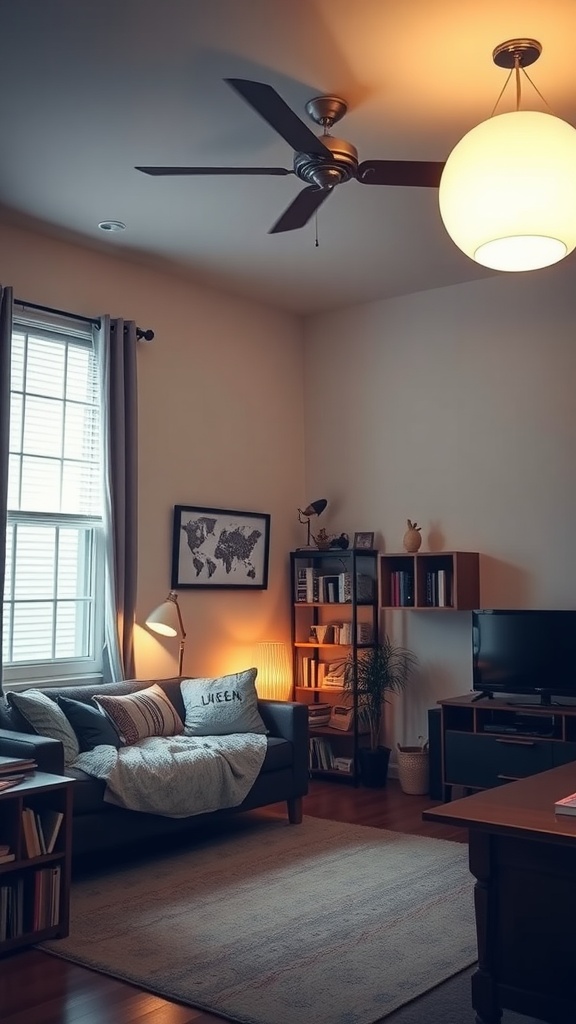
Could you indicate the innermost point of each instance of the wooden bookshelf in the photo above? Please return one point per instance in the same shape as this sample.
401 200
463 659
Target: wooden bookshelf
35 887
430 580
334 617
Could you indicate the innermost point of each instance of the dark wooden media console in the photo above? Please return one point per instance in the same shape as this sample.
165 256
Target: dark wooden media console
488 742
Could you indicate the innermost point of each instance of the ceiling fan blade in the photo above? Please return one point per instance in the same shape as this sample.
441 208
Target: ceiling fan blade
301 209
270 105
425 173
158 171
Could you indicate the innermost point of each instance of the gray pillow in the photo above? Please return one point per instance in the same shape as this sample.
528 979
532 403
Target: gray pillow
223 705
47 719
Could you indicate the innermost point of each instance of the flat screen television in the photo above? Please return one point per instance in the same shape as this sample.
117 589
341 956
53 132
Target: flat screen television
524 652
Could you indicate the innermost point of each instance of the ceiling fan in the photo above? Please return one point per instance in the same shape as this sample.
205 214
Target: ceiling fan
321 161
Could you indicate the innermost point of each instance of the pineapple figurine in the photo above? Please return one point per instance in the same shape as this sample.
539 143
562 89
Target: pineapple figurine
412 538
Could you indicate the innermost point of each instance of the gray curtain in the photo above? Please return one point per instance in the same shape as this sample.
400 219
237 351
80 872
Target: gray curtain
6 303
117 342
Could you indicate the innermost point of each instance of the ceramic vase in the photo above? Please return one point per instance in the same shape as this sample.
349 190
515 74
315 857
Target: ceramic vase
412 540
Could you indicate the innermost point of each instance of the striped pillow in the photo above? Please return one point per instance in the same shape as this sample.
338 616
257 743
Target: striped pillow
144 713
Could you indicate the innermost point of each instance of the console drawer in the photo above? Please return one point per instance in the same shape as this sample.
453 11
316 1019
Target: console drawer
481 761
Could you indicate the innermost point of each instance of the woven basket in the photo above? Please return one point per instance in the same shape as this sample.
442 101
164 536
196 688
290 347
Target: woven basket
413 769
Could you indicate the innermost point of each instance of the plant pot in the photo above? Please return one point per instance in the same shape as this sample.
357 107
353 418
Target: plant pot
374 766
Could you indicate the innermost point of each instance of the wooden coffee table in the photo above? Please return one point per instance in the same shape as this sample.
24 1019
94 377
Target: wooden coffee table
523 857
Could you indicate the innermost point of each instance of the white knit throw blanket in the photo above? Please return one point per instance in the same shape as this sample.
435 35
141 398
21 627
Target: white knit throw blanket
178 776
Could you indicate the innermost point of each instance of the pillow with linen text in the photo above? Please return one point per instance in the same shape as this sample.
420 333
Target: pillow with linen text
47 719
223 705
141 714
92 726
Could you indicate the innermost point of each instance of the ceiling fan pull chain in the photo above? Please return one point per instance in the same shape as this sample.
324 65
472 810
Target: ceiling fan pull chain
316 243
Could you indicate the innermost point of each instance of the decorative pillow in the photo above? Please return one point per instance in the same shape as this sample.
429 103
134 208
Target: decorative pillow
217 707
91 725
47 719
144 713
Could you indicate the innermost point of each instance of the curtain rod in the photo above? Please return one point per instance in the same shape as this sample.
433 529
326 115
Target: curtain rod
140 333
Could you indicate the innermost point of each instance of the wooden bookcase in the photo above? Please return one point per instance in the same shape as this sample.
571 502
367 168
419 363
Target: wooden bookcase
324 604
430 580
39 902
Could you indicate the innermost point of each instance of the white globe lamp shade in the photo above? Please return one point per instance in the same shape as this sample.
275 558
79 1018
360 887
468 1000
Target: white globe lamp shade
508 191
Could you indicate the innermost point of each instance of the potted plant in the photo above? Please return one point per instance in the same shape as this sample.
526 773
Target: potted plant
380 671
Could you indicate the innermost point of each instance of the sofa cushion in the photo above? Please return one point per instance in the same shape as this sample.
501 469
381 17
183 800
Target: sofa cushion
47 719
222 705
145 713
92 726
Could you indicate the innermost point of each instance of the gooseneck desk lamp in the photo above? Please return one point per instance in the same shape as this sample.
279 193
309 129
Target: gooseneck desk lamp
315 508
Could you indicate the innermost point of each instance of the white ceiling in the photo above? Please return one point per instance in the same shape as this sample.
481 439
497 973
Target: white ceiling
91 88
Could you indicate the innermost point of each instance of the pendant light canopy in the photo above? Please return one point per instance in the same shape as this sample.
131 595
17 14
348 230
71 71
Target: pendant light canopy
508 190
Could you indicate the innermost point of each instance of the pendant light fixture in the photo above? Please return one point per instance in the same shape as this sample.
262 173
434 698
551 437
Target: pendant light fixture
508 189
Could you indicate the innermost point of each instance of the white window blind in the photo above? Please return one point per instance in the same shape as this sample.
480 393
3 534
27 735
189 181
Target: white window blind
54 593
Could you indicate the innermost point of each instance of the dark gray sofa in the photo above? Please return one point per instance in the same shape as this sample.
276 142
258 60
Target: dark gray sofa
99 826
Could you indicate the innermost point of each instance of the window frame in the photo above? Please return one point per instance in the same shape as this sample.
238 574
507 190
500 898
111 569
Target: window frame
85 668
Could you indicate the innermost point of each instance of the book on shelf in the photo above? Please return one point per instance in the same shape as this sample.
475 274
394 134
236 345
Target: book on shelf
4 848
328 588
51 822
308 667
567 805
364 587
307 584
5 858
30 830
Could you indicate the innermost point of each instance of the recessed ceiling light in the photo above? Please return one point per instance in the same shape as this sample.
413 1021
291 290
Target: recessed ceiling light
112 225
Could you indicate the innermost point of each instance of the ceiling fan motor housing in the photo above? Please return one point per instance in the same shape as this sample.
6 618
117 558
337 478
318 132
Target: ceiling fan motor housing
331 170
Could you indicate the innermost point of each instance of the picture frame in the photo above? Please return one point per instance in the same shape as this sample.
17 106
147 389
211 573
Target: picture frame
219 548
364 541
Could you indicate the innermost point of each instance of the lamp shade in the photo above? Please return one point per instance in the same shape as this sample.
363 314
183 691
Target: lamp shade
508 191
274 679
315 508
164 619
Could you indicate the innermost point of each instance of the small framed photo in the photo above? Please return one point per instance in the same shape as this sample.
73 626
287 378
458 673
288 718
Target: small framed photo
364 540
217 547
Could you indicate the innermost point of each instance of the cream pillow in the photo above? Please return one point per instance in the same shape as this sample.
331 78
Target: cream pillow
47 719
144 713
223 705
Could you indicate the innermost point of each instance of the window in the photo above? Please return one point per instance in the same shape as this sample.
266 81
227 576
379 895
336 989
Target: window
54 589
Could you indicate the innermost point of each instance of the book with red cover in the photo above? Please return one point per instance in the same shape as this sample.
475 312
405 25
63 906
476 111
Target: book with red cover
567 805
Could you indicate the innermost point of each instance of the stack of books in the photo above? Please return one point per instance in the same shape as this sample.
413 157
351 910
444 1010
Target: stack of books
14 770
319 714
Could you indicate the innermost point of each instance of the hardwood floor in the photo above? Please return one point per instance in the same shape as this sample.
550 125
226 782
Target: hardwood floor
39 989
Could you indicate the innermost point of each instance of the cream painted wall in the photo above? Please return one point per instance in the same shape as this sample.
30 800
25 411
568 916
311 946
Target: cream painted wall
220 425
457 408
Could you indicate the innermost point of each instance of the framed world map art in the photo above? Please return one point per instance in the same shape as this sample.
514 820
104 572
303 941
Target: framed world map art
216 547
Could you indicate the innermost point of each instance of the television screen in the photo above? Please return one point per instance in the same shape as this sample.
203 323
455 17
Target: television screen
526 652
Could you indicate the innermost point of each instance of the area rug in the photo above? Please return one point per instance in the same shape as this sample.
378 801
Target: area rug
281 924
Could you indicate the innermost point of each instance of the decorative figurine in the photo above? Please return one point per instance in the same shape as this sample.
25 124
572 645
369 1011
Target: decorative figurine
342 542
322 540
